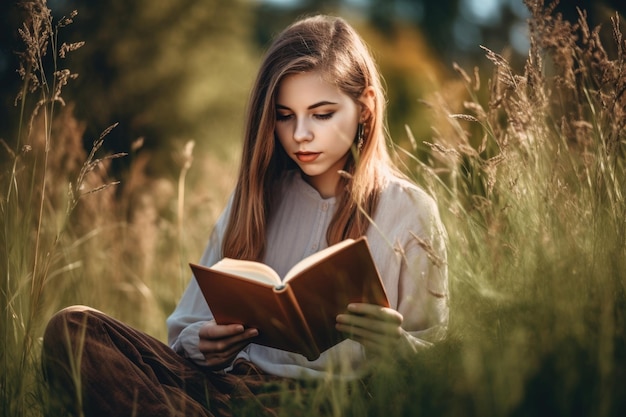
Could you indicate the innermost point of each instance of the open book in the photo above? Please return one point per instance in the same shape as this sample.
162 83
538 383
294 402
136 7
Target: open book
296 313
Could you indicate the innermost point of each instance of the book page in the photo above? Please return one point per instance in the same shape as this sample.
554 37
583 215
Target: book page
316 257
252 270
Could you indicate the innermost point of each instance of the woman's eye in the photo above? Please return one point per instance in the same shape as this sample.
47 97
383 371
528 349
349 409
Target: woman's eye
282 117
324 116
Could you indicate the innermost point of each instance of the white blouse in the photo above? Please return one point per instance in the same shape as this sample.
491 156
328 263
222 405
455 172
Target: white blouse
406 221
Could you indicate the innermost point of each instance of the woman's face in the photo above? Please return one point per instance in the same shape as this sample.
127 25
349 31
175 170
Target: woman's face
316 124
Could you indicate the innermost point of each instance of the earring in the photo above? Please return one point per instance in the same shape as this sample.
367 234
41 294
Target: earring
359 137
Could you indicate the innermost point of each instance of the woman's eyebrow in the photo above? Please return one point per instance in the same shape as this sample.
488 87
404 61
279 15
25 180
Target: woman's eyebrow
311 107
320 104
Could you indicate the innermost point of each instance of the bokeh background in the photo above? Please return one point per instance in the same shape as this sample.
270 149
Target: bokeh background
179 70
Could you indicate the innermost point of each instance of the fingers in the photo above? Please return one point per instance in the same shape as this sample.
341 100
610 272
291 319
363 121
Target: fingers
367 330
221 355
221 343
212 330
228 344
373 318
376 312
375 327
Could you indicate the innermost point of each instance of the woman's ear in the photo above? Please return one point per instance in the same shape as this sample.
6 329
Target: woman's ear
368 103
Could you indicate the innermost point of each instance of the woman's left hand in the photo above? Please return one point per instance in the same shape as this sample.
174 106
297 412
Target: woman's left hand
377 328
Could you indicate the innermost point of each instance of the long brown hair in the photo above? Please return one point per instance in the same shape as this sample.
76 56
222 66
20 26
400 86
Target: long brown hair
331 46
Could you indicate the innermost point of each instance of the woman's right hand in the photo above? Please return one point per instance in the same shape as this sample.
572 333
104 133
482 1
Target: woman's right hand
221 343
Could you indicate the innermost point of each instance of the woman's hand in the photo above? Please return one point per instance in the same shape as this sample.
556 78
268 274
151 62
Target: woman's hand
221 343
377 328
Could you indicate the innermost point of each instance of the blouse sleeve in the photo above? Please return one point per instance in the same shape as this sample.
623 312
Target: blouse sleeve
192 311
417 280
423 285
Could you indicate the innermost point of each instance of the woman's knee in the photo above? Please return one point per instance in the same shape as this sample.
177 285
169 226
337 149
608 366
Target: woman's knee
62 344
66 322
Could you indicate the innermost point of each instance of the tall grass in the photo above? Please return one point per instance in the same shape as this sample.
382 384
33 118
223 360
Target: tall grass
70 234
528 171
530 174
38 204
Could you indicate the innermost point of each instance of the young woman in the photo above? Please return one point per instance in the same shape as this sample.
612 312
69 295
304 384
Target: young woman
315 170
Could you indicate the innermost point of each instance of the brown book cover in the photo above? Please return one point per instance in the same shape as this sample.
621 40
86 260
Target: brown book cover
298 313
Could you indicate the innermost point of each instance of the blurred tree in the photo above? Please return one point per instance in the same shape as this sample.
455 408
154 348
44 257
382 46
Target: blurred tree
175 70
9 80
168 71
456 28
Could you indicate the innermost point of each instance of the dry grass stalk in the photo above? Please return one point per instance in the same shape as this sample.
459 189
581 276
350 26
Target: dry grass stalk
36 234
536 215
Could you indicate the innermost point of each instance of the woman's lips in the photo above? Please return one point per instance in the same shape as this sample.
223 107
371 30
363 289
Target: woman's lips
307 156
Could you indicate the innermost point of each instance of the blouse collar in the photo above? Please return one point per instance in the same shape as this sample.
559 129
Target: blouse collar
299 184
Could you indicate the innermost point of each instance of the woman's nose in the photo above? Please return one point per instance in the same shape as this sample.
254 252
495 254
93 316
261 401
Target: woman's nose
302 132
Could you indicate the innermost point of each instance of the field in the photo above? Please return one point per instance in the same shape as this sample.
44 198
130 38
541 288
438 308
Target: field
529 172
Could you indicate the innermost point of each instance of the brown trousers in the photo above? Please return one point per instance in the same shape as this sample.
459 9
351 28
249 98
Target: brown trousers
97 366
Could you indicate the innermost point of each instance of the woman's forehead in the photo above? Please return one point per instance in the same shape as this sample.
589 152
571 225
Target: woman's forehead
307 87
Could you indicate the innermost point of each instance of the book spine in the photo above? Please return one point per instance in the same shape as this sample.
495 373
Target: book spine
292 311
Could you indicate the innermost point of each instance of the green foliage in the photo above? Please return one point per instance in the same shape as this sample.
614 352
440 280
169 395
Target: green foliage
169 71
534 204
33 232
